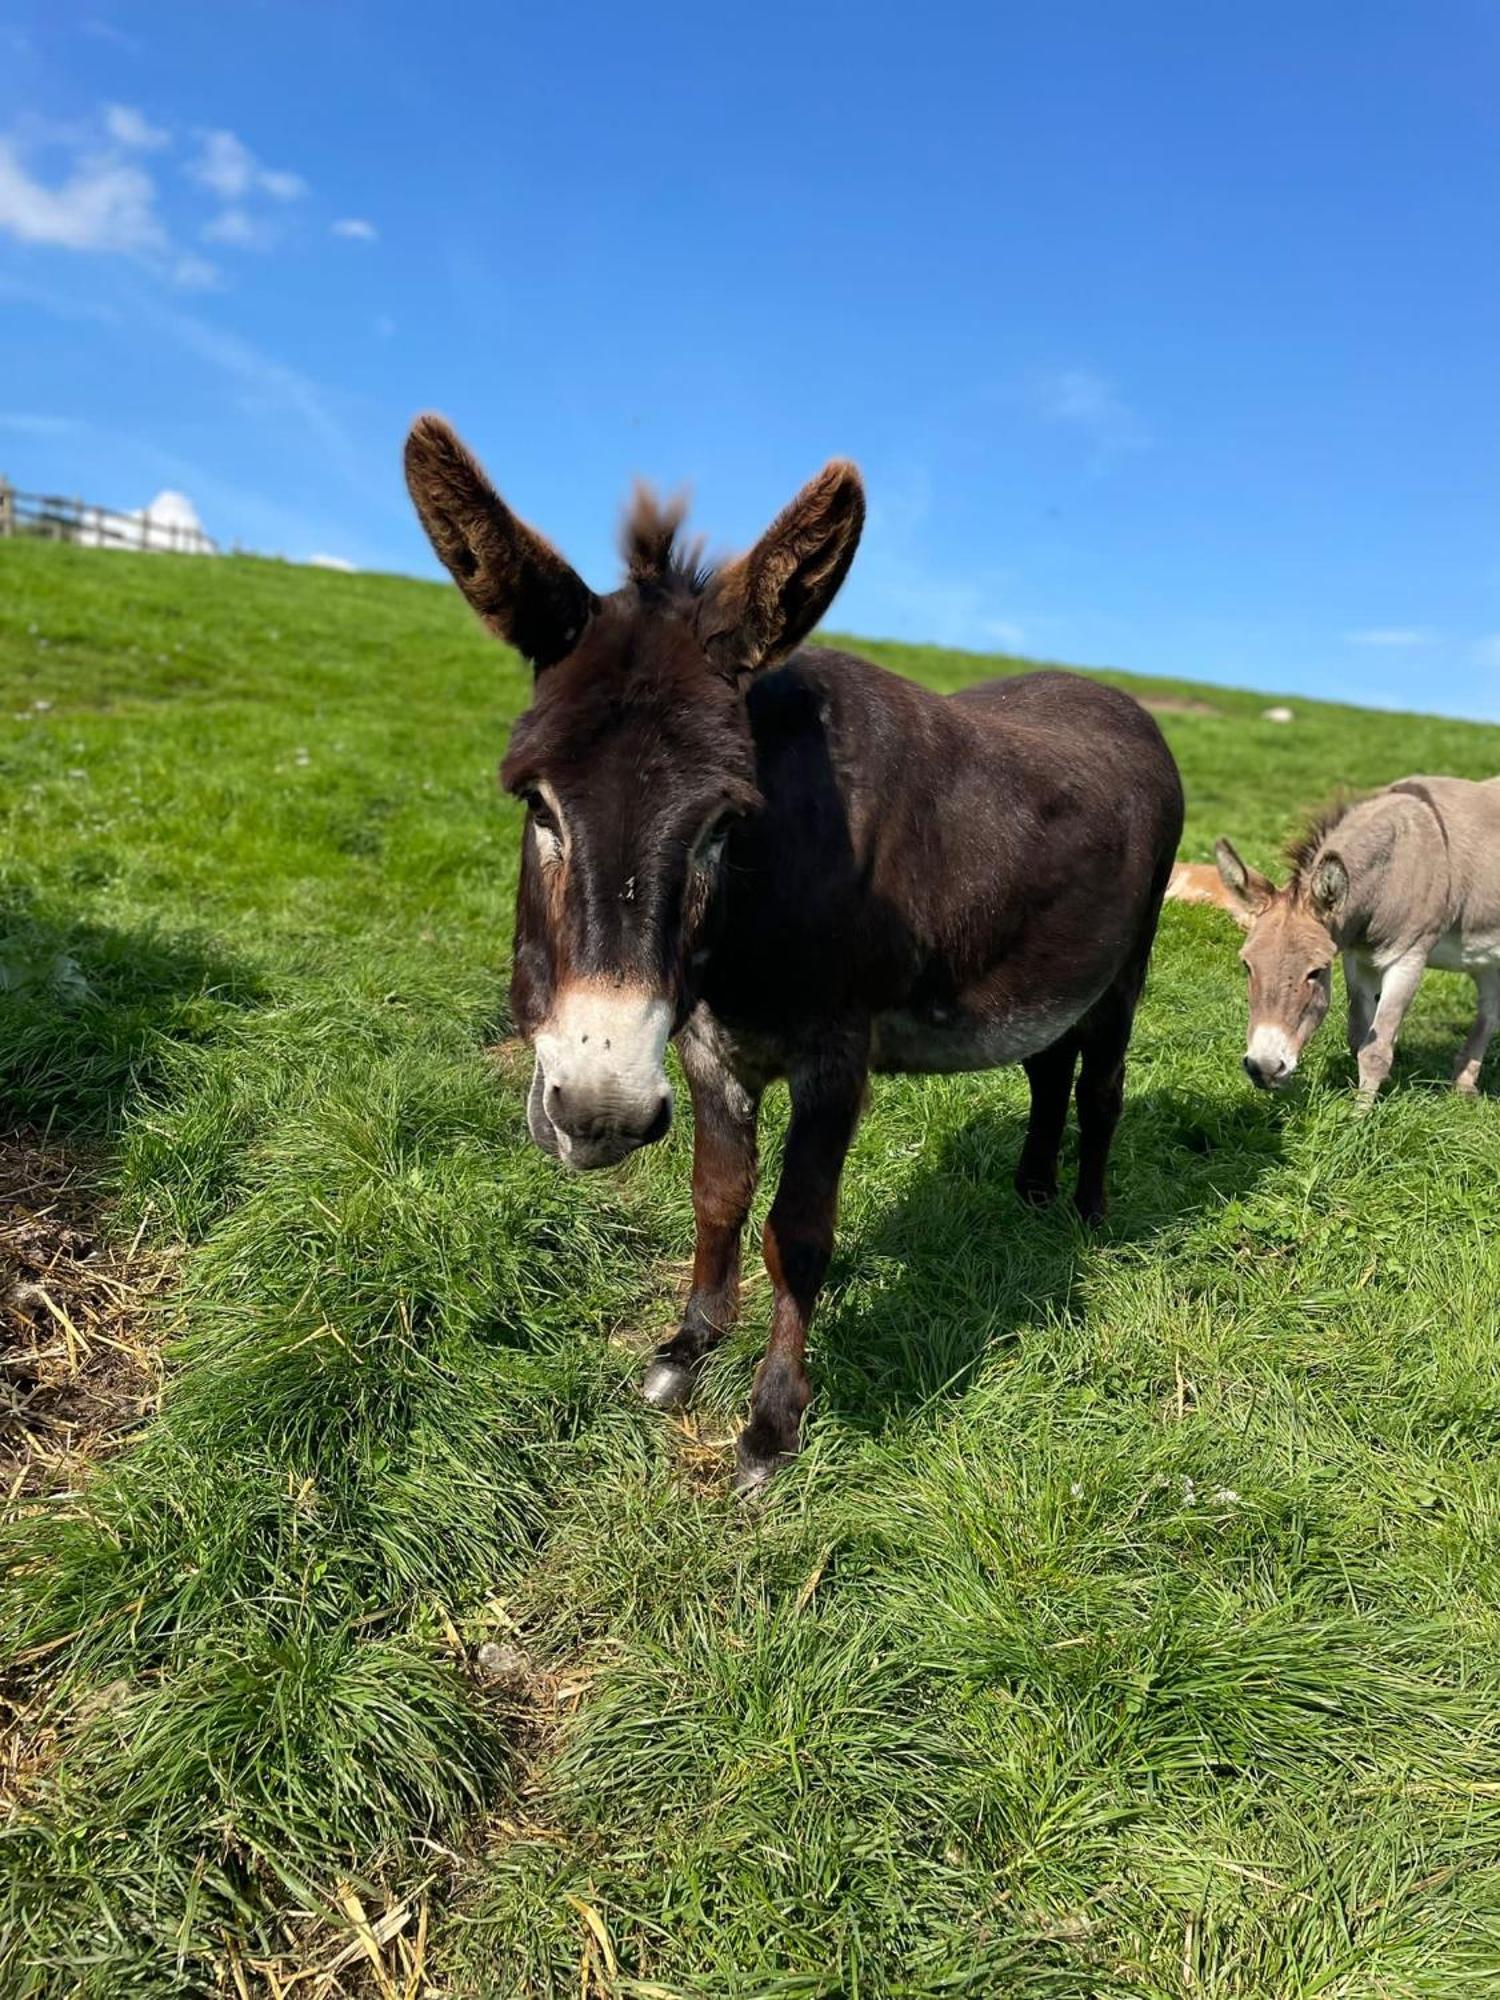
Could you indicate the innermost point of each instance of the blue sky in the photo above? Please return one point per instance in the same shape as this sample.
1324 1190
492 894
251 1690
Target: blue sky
1166 335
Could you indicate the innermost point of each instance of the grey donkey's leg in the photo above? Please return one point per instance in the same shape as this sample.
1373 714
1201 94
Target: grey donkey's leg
1363 984
1471 1055
1397 986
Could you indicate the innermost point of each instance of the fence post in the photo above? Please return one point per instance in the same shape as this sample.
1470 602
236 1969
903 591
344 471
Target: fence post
7 509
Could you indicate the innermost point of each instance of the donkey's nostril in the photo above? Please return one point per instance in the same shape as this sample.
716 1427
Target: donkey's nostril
659 1125
1263 1073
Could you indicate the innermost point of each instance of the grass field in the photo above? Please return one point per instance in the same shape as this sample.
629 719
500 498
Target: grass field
1131 1624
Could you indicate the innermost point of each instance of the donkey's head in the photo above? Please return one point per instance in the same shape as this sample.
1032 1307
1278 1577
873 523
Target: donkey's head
635 759
1289 952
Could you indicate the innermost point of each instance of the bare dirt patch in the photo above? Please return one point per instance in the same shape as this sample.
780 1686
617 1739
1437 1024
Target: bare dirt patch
80 1363
1178 704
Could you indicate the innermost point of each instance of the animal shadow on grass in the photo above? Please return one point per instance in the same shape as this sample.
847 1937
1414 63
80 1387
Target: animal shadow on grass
954 1270
87 1011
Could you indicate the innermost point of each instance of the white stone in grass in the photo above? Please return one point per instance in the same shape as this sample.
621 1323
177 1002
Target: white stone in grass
1277 714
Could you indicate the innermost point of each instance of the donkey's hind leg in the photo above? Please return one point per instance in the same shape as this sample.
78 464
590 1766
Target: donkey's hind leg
1050 1074
1105 1036
1471 1055
725 1114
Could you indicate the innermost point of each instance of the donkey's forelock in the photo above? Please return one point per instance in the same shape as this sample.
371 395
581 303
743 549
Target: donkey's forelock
1302 849
656 562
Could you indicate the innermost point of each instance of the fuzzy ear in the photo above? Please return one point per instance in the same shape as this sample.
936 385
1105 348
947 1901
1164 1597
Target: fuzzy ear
516 581
1328 886
1249 891
761 607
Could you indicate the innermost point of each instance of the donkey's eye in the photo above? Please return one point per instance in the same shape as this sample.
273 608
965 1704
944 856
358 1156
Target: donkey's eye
541 813
712 839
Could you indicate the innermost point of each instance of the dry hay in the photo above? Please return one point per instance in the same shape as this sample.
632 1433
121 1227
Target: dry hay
80 1362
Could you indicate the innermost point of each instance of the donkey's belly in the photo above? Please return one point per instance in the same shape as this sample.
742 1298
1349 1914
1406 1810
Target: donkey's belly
1475 951
925 1043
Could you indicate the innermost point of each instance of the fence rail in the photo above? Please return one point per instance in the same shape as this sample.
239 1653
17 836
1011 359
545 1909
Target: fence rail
58 518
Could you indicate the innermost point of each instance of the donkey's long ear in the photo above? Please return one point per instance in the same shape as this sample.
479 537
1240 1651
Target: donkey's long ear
1249 891
759 609
516 581
1328 887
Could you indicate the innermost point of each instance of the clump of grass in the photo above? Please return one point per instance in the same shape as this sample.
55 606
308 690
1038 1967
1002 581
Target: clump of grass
1128 1625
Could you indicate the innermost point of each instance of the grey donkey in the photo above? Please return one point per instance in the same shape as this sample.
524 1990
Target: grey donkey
1404 879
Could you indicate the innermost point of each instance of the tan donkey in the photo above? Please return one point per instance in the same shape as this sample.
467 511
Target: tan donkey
1407 878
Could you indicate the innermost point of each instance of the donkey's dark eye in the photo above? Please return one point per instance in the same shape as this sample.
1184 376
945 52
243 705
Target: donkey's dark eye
541 812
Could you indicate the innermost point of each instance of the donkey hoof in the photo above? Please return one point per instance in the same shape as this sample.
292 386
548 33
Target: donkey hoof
1036 1193
668 1385
755 1468
752 1476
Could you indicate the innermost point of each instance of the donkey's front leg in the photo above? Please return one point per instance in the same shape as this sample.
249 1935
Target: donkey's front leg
798 1243
725 1115
1398 986
1362 982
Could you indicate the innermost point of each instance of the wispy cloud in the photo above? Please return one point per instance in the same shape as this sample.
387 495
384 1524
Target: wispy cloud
265 382
30 423
106 31
53 303
356 229
1392 635
239 230
901 591
1487 653
1090 404
129 127
103 203
225 165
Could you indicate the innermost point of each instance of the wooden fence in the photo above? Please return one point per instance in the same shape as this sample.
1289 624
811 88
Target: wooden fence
53 517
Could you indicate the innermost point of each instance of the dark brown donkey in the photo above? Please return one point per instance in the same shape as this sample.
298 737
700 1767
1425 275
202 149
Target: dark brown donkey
798 866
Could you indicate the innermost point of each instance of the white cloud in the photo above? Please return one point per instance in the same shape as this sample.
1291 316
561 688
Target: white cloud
1090 404
129 127
196 274
240 230
104 203
1392 635
356 229
226 166
283 186
330 562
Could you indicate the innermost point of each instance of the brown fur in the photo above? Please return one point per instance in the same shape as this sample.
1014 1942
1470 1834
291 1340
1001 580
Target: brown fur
1199 882
814 868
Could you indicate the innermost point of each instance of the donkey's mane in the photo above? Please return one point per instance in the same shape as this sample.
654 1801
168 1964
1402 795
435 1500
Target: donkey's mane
655 560
1302 848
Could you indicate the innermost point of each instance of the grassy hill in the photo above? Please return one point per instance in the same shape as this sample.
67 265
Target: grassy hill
1129 1626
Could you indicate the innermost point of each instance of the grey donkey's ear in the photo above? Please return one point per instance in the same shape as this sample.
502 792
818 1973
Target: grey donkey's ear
1248 891
1329 886
516 581
761 607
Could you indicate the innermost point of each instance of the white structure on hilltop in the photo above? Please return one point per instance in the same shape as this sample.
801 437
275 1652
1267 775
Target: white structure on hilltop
170 522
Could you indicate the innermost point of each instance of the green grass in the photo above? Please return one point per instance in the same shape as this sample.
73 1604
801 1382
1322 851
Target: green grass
1130 1624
